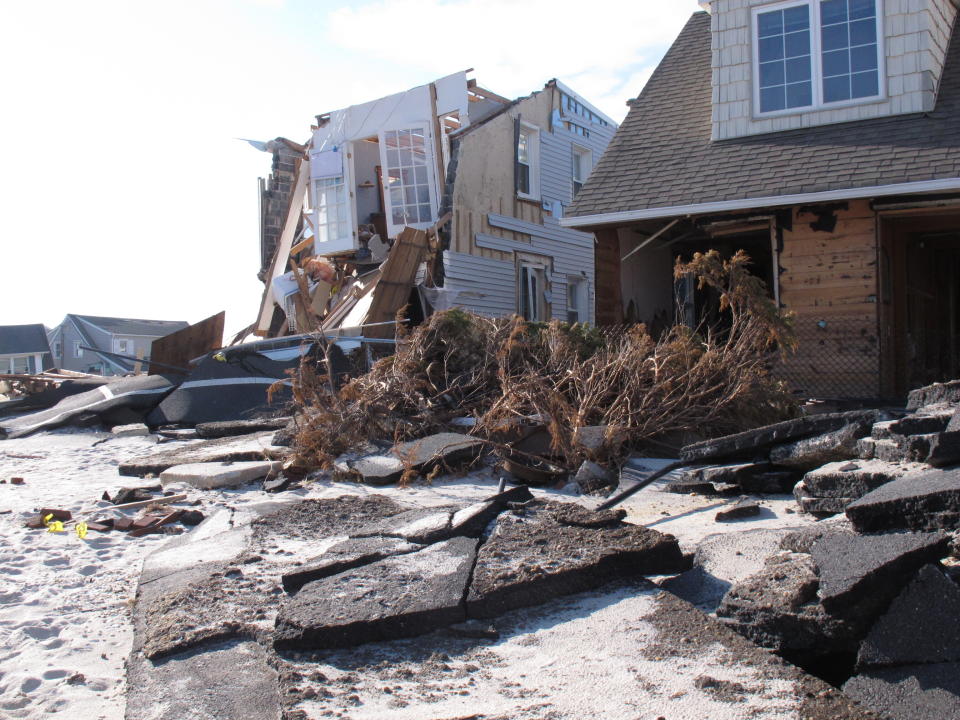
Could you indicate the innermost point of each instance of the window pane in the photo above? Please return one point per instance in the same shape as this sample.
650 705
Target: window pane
771 48
522 148
421 174
396 196
425 215
771 74
862 9
865 84
833 11
800 94
393 158
836 88
863 32
410 195
772 99
523 181
406 157
393 176
770 23
423 194
798 69
397 216
863 58
796 18
834 37
836 63
797 44
407 176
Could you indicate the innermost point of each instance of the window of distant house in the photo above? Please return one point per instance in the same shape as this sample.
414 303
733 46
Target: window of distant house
816 55
528 162
582 165
77 350
532 283
576 299
571 105
57 349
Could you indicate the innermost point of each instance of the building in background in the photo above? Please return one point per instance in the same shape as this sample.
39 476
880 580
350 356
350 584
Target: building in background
123 336
24 349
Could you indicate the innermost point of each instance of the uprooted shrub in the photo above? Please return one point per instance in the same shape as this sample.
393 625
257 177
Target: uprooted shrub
709 380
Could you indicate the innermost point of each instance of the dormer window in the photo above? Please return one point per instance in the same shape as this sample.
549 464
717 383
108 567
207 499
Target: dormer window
816 54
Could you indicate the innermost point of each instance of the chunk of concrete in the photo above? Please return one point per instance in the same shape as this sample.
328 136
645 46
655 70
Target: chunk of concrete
919 627
743 508
911 692
814 505
347 555
441 448
948 392
420 525
594 478
748 443
917 501
207 476
555 550
854 569
246 447
375 469
944 449
401 596
690 487
816 451
230 428
921 424
132 430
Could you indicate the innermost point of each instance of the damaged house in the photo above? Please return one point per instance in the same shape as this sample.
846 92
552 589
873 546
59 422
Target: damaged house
486 179
823 138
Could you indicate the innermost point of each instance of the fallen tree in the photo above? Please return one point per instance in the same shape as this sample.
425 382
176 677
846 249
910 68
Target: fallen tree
710 379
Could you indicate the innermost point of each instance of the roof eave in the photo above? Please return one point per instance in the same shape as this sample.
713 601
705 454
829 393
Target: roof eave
627 216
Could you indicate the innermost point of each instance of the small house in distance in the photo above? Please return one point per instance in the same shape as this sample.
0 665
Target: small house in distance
823 138
493 175
122 336
24 349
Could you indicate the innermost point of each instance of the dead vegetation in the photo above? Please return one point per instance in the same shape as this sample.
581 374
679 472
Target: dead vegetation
708 380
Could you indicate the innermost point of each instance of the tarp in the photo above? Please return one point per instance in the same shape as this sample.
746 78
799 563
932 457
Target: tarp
50 397
234 388
137 393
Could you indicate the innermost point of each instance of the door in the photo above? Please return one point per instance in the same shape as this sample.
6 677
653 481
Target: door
408 179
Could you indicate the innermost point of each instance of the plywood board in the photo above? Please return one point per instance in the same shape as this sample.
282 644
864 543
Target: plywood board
179 348
397 276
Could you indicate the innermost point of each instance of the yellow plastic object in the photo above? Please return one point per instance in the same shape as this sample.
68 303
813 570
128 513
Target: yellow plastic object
81 530
55 526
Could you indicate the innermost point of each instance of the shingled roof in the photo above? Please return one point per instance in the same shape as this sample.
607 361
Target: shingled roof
23 340
132 326
662 155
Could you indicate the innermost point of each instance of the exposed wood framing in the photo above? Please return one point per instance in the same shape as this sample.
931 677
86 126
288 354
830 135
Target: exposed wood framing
650 239
398 273
437 132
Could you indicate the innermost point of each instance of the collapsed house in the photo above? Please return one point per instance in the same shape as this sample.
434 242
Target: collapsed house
486 179
824 139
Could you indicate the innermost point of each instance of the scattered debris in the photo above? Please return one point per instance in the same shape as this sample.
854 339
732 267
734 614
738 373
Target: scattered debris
743 508
255 446
209 475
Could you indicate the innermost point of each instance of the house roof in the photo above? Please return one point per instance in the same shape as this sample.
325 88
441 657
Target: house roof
662 155
23 339
130 326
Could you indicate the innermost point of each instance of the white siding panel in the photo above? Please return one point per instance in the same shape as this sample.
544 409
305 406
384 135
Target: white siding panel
482 285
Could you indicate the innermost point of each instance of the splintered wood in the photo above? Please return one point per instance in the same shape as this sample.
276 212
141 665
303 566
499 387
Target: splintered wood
397 276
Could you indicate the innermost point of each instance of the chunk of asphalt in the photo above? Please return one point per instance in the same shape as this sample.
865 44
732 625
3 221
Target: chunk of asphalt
854 569
944 449
255 446
918 501
851 479
440 448
743 508
911 692
230 428
192 685
815 451
420 525
401 596
688 487
748 443
920 424
555 550
347 555
920 627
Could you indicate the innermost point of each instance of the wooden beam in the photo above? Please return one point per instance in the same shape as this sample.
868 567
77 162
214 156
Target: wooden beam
437 131
650 239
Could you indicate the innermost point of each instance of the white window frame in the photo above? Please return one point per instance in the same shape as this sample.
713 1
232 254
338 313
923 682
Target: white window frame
429 165
583 153
578 290
122 346
816 59
537 296
533 151
58 349
77 350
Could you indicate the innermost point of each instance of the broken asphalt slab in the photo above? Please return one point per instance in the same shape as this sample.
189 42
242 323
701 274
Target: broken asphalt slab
813 452
556 549
921 626
419 456
231 428
853 479
922 501
401 596
747 444
912 692
255 446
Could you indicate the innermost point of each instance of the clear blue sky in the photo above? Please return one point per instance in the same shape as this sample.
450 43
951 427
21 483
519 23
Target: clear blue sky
124 190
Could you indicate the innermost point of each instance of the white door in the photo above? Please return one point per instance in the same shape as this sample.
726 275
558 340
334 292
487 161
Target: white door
408 178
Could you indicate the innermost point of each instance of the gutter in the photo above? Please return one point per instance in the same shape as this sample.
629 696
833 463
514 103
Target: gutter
625 216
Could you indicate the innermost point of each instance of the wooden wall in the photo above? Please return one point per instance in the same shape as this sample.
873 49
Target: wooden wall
829 281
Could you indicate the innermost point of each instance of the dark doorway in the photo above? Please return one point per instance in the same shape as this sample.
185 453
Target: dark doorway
922 273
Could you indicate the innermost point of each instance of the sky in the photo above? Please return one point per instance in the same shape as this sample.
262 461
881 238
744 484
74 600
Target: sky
125 190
